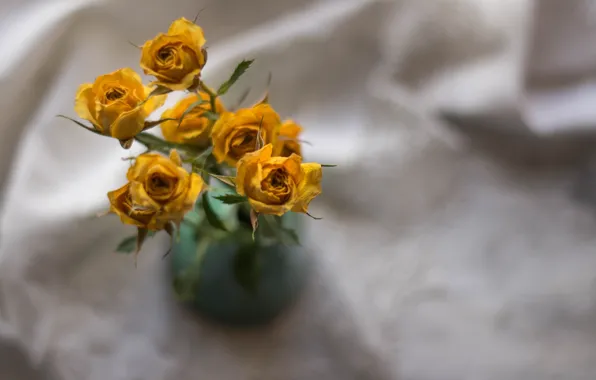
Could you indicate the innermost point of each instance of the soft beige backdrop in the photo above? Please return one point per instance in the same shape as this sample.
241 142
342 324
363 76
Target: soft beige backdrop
462 252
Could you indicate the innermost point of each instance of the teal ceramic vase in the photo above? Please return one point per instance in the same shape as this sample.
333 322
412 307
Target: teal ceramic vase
233 279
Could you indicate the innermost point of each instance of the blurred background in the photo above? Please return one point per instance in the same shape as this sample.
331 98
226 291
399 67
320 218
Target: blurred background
458 239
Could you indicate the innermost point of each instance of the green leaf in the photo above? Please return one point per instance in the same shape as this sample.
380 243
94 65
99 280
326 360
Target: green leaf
200 162
127 245
151 124
141 236
210 214
328 166
210 115
228 180
158 90
231 199
238 71
190 108
90 129
155 143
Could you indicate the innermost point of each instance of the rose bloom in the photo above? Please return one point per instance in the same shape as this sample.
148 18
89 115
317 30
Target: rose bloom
236 134
176 58
160 190
194 129
288 139
114 104
276 185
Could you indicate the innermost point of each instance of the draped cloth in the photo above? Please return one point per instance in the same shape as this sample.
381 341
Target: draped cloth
448 248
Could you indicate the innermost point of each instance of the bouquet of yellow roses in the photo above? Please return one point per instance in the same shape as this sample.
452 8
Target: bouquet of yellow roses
247 158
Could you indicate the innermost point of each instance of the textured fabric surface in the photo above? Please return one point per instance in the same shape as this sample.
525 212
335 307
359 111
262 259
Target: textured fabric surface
443 253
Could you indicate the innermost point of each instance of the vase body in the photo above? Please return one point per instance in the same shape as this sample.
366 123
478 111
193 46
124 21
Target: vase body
238 282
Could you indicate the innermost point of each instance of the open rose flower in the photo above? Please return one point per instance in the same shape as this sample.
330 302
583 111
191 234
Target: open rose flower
161 183
115 105
122 205
276 185
160 190
236 134
176 58
194 129
288 142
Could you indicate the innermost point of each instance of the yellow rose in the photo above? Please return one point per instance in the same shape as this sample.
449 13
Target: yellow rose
195 129
159 191
276 185
114 104
161 183
176 58
121 204
288 139
235 134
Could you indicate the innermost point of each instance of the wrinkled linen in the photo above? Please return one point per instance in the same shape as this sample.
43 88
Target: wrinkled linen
436 258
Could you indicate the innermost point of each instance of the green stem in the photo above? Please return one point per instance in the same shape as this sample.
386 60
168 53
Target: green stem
155 143
212 96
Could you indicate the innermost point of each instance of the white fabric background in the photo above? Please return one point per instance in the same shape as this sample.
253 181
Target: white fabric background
437 258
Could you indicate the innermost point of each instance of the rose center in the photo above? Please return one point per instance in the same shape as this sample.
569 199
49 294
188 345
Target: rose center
115 93
160 187
248 139
278 179
166 54
277 184
159 182
242 144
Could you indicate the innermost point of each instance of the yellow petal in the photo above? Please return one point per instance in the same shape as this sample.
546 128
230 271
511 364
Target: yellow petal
125 77
290 129
293 165
264 208
142 164
119 206
148 51
189 29
140 197
175 157
85 103
269 121
128 124
171 84
265 152
196 187
129 78
218 135
288 142
125 74
309 187
247 171
176 84
154 102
